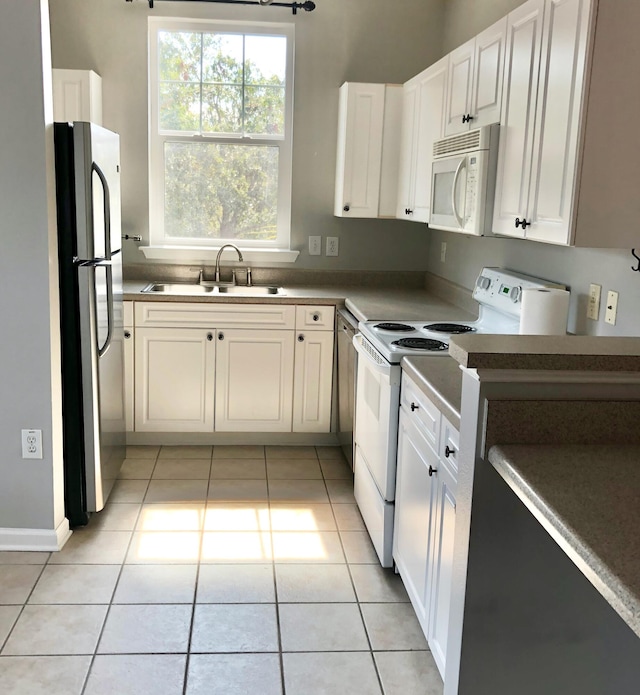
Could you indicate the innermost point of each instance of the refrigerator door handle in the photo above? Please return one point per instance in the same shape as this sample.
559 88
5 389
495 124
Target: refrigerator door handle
106 261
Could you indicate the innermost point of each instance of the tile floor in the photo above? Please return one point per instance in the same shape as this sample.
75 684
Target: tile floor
220 571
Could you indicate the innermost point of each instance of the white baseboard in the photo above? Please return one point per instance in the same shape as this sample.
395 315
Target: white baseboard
35 538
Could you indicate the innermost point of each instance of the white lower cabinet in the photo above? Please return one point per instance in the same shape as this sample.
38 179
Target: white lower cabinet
129 367
313 380
425 510
254 380
174 379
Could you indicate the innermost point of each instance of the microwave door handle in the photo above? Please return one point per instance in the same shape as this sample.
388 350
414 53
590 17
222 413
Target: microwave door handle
454 188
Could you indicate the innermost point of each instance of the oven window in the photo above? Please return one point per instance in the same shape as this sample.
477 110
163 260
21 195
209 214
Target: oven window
442 186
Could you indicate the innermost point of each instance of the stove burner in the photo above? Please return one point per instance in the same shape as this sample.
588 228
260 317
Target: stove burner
396 327
421 344
449 328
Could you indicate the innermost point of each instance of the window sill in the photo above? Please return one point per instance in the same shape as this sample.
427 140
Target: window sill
198 254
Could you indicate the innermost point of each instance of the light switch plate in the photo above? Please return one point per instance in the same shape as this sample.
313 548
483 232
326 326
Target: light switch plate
315 245
593 307
612 307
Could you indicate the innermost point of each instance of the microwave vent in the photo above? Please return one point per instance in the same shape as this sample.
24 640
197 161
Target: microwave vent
457 143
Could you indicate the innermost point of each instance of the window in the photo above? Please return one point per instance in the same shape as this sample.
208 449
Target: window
220 102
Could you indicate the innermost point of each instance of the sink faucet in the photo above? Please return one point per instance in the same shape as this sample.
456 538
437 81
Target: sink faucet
200 272
222 248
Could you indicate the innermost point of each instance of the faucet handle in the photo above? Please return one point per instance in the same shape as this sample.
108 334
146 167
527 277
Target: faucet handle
200 272
249 279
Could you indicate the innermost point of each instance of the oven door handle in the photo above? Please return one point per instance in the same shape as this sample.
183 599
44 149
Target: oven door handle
382 367
462 165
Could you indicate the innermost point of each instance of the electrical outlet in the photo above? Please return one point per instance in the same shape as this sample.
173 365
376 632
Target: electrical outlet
31 444
332 246
593 307
612 307
315 245
443 252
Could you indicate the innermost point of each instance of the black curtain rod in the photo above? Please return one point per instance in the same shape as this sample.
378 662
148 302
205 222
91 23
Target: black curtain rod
307 6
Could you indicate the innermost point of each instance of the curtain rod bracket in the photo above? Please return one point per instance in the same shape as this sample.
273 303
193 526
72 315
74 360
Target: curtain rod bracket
307 5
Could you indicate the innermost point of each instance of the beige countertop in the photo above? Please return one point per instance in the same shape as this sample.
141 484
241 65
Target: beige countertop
439 377
588 500
567 352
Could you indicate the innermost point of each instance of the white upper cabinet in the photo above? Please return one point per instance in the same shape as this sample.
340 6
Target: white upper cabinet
474 88
422 124
368 150
77 96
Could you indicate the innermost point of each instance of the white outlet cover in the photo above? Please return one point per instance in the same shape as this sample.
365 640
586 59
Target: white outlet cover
31 444
612 307
332 246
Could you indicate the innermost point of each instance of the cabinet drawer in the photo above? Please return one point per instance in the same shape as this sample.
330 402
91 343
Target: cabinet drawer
449 444
420 410
318 318
203 315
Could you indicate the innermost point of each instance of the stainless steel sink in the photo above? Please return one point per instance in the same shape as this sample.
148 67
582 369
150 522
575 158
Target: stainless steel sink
253 291
177 288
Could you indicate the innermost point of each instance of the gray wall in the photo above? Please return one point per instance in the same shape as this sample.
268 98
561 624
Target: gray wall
574 267
357 40
31 493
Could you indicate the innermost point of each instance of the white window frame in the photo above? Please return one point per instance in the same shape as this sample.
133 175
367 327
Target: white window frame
159 245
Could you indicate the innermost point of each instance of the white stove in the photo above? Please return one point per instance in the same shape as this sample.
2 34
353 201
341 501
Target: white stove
381 345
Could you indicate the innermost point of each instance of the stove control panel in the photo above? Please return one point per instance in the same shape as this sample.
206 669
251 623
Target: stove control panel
501 289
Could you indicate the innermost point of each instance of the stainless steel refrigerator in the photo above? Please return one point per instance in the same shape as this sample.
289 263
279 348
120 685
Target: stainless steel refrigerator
90 262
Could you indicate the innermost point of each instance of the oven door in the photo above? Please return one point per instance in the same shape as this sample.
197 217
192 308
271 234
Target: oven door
376 423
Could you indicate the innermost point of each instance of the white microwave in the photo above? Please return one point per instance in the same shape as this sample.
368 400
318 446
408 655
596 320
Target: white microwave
463 181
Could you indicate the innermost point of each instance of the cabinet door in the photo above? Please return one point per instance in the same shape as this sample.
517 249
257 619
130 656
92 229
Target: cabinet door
408 154
561 86
129 371
441 562
415 492
174 376
254 380
77 96
312 381
359 158
524 34
486 99
459 88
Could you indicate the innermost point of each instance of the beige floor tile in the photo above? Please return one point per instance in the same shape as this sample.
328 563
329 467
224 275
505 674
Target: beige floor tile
408 673
236 547
290 452
358 548
293 469
235 628
176 491
348 517
8 617
82 584
156 584
87 547
56 630
142 452
16 557
330 673
340 491
234 674
330 453
242 451
236 584
164 548
302 517
254 469
376 584
45 675
146 630
324 627
336 470
137 674
16 582
393 627
237 516
137 469
194 451
182 469
307 547
314 584
128 491
298 491
116 516
238 490
167 516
